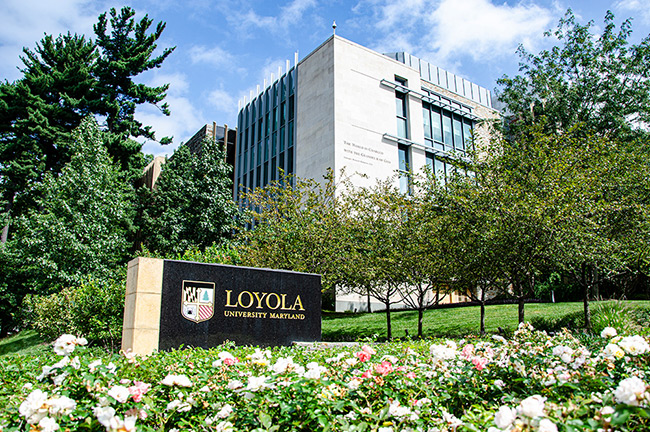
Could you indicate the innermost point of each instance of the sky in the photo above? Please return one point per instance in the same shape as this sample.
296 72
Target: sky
226 48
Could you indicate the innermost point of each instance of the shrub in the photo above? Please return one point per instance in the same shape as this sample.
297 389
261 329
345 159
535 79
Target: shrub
572 321
94 309
613 313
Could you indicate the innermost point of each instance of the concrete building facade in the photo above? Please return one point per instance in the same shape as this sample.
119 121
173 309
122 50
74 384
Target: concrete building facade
347 106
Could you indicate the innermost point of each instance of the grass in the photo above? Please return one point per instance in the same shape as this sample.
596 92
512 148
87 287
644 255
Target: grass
27 342
452 322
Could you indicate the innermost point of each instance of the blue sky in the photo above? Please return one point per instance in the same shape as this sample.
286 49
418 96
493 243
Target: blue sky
225 49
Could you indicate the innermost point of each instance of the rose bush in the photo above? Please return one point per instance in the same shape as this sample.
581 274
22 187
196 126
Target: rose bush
530 382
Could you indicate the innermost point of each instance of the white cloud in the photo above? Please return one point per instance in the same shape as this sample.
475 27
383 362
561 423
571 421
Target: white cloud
185 119
289 15
481 29
215 56
638 8
223 101
23 22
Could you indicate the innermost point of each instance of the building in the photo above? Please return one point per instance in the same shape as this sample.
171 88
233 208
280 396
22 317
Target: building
346 106
226 138
151 172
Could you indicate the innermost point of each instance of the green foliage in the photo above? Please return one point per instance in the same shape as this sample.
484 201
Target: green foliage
598 81
541 381
626 317
191 206
616 314
297 226
82 221
94 309
224 253
65 79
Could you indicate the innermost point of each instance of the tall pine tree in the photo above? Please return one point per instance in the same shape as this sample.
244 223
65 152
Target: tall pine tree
65 79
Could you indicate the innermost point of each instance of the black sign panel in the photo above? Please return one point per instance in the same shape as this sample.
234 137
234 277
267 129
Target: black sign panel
203 305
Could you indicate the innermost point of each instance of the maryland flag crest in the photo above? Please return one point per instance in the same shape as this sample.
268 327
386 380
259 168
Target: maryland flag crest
197 302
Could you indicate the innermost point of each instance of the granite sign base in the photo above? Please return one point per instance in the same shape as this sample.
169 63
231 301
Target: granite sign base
170 304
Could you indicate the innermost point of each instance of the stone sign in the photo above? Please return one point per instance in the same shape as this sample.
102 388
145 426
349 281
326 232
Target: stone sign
179 303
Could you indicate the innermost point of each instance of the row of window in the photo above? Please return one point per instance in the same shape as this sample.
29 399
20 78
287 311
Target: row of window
266 135
446 131
443 130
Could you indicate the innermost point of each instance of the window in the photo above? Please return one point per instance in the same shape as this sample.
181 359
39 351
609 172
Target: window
282 139
401 109
404 167
446 131
459 144
467 134
447 136
426 120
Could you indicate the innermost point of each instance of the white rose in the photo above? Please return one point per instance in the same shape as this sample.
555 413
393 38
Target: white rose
608 332
178 380
61 405
532 406
634 345
32 408
505 416
119 393
545 425
629 391
225 411
48 424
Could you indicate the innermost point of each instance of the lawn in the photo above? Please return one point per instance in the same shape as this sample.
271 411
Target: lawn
451 322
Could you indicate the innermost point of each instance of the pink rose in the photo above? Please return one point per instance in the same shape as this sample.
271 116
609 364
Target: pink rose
229 361
363 356
479 362
468 350
384 368
138 390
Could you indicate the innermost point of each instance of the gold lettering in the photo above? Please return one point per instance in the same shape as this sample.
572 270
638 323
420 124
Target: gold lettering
277 301
228 299
298 302
284 301
259 300
250 299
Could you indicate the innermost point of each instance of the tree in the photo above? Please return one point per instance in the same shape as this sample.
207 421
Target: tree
380 265
78 229
607 232
65 79
191 205
426 255
599 81
297 224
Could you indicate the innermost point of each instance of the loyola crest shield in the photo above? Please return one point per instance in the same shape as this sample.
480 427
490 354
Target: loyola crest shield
197 301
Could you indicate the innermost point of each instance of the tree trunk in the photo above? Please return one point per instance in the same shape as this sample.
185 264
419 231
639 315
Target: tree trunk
520 300
420 319
5 229
389 333
369 307
482 329
586 285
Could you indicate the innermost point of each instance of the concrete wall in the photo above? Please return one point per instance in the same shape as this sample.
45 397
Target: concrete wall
365 111
315 113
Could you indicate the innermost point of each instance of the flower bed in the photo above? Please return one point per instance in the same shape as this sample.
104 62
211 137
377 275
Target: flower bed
529 382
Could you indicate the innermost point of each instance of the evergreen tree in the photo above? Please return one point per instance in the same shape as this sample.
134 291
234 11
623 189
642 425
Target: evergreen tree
78 229
65 79
191 205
